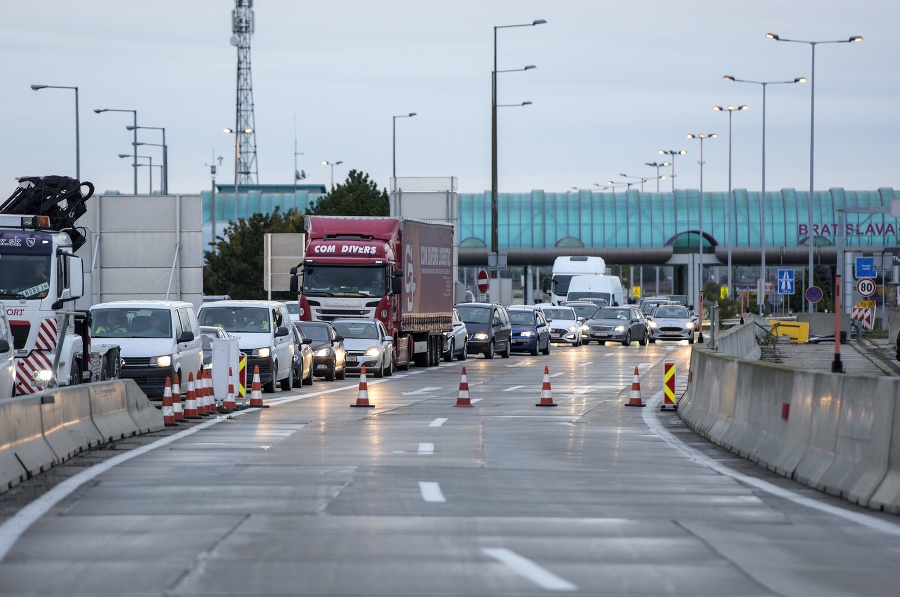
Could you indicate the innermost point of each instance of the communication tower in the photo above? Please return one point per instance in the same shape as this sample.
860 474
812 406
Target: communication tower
242 28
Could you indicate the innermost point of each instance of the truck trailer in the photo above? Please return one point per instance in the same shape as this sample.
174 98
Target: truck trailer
396 270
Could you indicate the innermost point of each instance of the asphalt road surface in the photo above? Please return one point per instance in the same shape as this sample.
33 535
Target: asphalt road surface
418 497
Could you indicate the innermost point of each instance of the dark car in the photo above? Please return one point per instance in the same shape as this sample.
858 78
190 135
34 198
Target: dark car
303 357
619 324
530 331
329 355
489 329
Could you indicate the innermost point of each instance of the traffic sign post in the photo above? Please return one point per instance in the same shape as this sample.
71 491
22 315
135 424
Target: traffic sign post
866 286
483 281
785 281
814 294
865 267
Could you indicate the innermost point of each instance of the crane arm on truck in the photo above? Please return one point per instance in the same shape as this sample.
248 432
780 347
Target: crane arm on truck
57 197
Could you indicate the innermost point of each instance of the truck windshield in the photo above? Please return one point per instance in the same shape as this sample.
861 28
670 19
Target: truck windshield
324 280
588 294
560 283
24 276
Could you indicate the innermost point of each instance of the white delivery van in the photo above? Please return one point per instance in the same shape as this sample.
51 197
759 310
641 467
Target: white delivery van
158 339
264 336
567 267
7 358
608 288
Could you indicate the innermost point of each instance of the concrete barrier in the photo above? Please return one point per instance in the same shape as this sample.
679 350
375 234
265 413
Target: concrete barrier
837 433
66 421
146 416
109 410
23 450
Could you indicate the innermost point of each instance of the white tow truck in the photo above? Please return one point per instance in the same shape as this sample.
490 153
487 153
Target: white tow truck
40 278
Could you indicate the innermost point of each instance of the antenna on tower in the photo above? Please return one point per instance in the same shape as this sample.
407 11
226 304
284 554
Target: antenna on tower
242 27
298 174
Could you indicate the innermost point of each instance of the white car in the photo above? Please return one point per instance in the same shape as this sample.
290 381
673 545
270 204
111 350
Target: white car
7 359
564 324
367 344
456 341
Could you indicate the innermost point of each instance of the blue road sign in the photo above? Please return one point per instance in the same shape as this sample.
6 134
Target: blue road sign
785 281
865 267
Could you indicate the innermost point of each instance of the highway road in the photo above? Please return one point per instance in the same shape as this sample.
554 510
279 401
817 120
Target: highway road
417 497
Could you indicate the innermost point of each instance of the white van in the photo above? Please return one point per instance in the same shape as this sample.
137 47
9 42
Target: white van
608 288
263 331
567 267
159 339
7 358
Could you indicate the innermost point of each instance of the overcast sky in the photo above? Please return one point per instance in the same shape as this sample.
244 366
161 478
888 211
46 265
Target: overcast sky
615 82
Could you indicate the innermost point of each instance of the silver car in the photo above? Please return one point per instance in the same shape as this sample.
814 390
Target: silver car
456 341
672 322
368 345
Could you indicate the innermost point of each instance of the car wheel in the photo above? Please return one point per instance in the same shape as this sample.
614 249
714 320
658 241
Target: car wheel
651 340
537 347
448 356
269 386
627 339
489 352
546 350
464 354
505 354
310 380
643 340
287 384
342 374
331 374
379 373
691 339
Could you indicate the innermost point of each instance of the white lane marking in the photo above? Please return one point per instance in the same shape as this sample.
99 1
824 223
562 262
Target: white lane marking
520 364
421 391
644 366
528 569
586 364
431 491
426 449
654 424
557 374
474 400
437 422
510 389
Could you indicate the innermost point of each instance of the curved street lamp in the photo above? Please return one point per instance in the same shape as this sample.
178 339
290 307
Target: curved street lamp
701 136
332 164
730 109
812 136
657 166
672 153
760 300
164 186
237 161
134 164
77 140
394 145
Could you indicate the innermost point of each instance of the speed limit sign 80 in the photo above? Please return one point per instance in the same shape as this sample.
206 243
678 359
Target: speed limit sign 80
866 286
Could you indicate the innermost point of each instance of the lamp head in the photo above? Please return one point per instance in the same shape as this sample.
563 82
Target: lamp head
773 36
125 155
720 108
36 87
529 67
543 22
728 78
800 80
131 127
855 38
411 114
98 110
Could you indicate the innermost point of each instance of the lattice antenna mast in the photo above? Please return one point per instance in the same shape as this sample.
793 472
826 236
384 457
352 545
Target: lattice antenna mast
242 27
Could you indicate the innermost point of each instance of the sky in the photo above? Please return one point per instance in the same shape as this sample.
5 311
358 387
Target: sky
615 82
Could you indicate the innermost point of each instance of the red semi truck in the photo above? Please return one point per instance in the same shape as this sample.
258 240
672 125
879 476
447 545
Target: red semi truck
395 270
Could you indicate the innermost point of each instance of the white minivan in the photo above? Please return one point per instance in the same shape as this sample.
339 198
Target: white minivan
159 339
7 358
264 336
585 288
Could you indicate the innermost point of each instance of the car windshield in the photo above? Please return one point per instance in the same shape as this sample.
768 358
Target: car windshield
237 319
316 332
672 312
474 314
584 311
131 323
356 329
293 308
521 317
612 313
560 313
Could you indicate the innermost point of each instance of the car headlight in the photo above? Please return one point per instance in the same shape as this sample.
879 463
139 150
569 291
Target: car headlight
571 328
528 334
620 328
481 336
262 353
652 324
161 361
689 325
373 351
322 352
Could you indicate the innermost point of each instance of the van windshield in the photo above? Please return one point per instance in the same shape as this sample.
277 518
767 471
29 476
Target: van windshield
131 323
253 320
592 294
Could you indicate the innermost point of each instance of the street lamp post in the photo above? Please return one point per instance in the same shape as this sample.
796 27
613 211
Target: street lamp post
134 143
657 166
332 164
730 109
237 161
701 136
762 199
394 145
495 228
77 139
673 153
641 179
144 157
812 129
164 186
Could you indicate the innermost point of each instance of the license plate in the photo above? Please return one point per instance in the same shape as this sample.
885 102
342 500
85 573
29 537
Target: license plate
351 359
600 334
670 333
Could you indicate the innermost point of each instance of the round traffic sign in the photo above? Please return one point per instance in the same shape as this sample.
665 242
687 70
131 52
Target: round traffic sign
482 281
866 286
814 294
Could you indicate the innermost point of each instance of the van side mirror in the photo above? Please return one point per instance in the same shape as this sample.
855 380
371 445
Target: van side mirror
545 285
186 336
337 339
281 331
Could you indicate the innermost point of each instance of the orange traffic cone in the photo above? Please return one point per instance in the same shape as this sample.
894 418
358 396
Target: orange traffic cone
176 400
190 405
546 394
635 398
463 396
210 392
200 394
362 396
256 391
229 405
168 409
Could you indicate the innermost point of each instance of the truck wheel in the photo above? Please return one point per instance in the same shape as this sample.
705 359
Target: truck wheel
489 352
75 374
